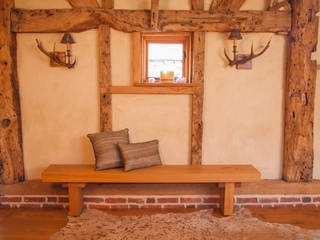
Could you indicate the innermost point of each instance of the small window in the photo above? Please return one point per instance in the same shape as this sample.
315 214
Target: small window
165 58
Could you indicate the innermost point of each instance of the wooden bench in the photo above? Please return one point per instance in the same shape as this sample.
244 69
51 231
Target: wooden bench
75 177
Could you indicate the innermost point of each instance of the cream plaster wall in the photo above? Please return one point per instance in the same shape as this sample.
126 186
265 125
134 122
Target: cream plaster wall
58 106
243 109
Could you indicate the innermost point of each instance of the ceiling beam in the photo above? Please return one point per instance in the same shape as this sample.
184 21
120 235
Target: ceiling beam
225 5
83 3
78 20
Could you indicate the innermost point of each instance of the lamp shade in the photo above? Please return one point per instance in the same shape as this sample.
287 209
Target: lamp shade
67 38
235 35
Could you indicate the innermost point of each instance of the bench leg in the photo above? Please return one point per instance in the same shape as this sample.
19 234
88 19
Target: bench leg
75 198
226 198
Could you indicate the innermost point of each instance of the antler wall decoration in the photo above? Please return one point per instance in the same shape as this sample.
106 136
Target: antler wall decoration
235 35
58 59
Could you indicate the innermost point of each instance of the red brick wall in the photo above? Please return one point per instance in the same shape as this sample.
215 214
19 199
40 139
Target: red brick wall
199 201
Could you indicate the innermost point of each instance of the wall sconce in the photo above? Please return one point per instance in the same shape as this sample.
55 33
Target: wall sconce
241 59
60 58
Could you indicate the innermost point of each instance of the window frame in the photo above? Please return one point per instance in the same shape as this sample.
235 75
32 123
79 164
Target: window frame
183 38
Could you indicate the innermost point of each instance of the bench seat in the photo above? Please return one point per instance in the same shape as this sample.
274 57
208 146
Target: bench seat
75 177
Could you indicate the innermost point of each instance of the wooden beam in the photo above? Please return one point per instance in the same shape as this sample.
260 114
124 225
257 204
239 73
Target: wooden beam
107 4
83 3
11 156
105 78
105 81
197 98
198 45
77 20
197 4
136 58
281 6
151 90
246 21
271 3
300 92
154 14
225 5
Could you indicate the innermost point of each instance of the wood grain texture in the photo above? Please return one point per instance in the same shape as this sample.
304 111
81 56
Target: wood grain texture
271 3
75 198
227 198
154 14
197 98
168 84
151 90
197 4
105 78
11 154
300 92
83 3
107 4
156 174
246 21
281 6
77 20
136 58
225 5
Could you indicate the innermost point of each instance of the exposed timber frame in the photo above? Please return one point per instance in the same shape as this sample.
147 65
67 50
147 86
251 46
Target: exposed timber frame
82 19
224 16
83 3
225 5
300 92
11 156
105 73
198 55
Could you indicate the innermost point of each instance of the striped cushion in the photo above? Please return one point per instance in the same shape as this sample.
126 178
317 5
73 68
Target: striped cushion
105 146
140 155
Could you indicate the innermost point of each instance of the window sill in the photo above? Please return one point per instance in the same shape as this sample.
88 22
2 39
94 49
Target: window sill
166 84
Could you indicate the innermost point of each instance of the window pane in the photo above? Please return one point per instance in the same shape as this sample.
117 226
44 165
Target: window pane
165 58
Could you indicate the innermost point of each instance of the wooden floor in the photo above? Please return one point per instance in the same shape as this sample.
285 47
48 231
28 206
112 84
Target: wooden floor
40 224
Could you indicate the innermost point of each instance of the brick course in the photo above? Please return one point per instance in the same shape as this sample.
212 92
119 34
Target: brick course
247 200
197 201
116 200
167 200
34 199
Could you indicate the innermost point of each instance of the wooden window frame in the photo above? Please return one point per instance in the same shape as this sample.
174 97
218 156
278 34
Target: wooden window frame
140 55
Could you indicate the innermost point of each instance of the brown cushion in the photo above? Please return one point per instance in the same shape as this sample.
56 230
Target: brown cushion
105 147
140 155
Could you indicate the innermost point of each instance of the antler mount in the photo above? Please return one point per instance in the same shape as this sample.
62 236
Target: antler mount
54 57
245 59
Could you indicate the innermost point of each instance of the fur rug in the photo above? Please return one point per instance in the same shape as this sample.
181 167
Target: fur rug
97 225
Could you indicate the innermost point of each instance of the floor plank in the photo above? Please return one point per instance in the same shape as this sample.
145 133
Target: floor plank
40 224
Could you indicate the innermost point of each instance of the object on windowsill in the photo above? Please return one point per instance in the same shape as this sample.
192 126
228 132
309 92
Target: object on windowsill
167 76
60 58
242 59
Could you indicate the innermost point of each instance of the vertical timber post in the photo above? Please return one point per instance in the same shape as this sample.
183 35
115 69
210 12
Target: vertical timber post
300 92
11 154
198 54
105 73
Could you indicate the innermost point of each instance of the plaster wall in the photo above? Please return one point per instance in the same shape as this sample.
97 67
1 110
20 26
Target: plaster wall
243 109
